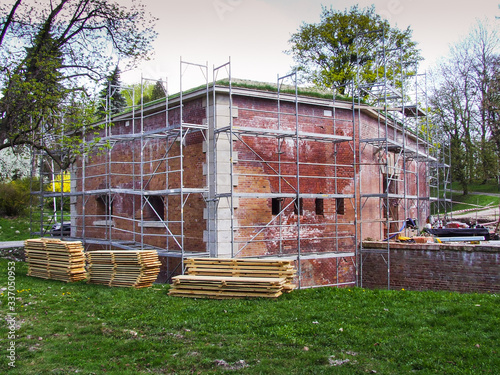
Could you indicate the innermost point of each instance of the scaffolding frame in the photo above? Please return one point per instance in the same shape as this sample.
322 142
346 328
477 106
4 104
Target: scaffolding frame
46 203
278 168
403 132
406 148
152 183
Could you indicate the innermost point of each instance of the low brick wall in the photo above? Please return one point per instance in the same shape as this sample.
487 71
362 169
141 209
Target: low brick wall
460 268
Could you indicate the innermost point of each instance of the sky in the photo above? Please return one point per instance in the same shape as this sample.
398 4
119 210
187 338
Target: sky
253 34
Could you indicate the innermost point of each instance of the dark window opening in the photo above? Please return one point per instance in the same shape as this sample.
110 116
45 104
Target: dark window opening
104 205
390 184
320 207
340 206
154 209
298 207
276 205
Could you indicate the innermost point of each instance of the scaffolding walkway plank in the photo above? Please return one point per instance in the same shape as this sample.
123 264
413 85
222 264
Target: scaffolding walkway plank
234 278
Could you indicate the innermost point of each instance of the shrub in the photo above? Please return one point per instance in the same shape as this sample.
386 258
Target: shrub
14 197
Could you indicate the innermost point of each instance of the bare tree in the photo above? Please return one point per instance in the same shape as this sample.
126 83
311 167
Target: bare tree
51 56
492 103
485 48
464 84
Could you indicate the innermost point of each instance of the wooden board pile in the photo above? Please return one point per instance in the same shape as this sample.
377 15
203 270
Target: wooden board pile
55 259
126 268
234 278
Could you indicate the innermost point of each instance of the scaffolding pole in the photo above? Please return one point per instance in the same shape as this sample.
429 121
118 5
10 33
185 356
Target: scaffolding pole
402 151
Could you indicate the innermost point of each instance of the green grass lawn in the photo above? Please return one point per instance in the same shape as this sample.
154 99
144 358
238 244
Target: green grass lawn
490 187
14 229
18 228
92 329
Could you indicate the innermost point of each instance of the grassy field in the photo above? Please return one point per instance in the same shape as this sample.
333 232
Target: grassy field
18 228
91 329
14 229
490 187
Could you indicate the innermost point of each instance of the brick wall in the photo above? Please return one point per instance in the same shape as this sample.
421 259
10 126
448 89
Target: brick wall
329 271
374 160
259 159
255 166
461 268
124 171
260 232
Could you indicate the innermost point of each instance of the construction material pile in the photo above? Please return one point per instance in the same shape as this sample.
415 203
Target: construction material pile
126 268
234 278
55 259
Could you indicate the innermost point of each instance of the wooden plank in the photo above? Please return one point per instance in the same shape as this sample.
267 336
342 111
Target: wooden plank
224 278
262 287
55 259
242 288
234 278
241 273
221 294
124 268
238 260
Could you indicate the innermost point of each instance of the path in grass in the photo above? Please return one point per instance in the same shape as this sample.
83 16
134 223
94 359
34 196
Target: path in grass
476 207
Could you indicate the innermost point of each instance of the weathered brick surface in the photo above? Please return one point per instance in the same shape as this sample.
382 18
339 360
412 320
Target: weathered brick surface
331 271
373 160
124 172
324 168
260 159
465 268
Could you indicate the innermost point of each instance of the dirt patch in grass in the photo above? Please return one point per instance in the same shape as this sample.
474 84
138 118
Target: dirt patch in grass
16 254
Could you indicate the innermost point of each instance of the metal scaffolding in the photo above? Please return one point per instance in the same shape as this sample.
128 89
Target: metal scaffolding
48 198
137 188
272 151
159 186
408 165
141 168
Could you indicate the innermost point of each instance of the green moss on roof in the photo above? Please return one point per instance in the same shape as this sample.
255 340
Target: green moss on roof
287 89
253 85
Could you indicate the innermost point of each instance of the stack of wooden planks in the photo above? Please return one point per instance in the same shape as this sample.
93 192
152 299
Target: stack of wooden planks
126 268
55 259
234 278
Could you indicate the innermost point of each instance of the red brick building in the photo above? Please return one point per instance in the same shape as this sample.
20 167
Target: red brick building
233 171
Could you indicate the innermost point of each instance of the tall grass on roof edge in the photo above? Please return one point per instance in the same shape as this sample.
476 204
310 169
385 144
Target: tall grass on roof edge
253 85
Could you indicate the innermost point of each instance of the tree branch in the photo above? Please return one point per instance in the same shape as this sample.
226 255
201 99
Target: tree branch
9 20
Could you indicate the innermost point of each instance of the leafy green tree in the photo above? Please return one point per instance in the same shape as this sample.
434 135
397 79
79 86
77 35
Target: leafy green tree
158 91
151 92
47 80
111 99
331 52
32 95
136 91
